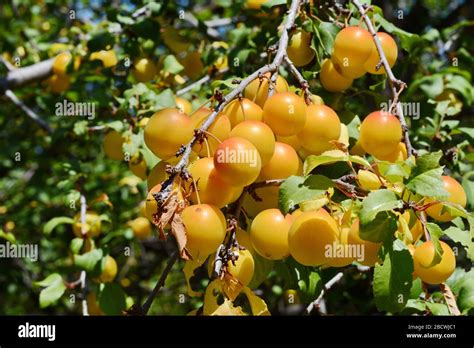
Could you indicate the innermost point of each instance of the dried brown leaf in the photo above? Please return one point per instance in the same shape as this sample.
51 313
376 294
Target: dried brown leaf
179 232
450 299
165 214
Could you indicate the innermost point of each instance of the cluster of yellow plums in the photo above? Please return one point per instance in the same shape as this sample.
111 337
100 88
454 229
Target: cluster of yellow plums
65 63
354 54
143 70
278 130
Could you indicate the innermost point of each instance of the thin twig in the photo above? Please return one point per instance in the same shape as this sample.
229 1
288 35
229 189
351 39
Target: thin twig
83 277
301 80
30 113
146 306
326 288
191 19
199 82
395 84
12 96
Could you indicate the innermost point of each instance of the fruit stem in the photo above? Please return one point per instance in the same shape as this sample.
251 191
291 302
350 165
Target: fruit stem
423 223
196 190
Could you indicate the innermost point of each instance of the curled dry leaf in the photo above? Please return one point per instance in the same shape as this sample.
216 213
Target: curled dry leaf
169 214
179 232
450 299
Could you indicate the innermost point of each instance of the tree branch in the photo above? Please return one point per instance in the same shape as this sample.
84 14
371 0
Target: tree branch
191 19
199 82
326 288
396 85
30 113
83 277
24 76
146 306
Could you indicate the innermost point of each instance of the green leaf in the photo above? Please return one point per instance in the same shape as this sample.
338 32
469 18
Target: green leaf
437 308
379 229
327 32
261 270
435 232
297 189
426 178
310 285
171 65
416 304
112 299
271 3
416 288
468 131
376 202
444 108
393 279
453 209
131 148
8 236
394 172
461 85
125 19
89 260
76 245
462 284
54 222
54 289
408 40
80 127
353 127
359 160
427 162
312 162
462 237
314 204
155 7
164 100
116 125
468 186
